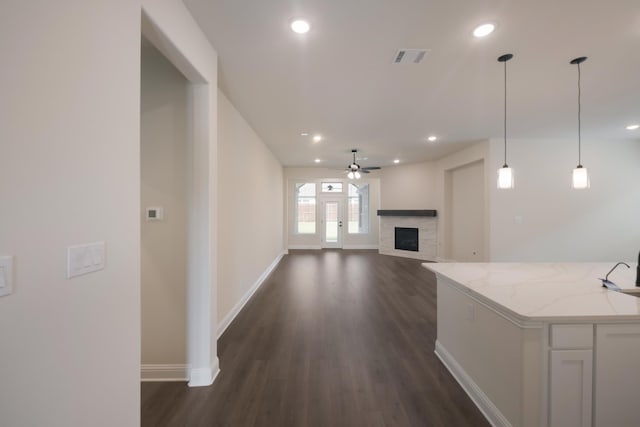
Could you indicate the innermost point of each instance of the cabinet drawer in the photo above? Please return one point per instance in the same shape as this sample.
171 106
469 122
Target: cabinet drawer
571 336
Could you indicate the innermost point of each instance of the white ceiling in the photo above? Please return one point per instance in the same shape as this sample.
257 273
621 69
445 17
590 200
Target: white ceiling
338 80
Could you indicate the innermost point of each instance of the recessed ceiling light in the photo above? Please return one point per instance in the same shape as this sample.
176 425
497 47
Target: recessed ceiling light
317 138
300 26
432 138
317 160
633 127
484 30
304 134
396 161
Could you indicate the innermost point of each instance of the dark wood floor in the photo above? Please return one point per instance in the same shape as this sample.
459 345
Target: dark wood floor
332 338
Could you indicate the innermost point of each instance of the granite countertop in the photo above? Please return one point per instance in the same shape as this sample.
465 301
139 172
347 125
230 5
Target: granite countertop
568 292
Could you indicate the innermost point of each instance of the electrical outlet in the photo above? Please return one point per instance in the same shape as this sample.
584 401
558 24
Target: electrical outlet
471 313
6 275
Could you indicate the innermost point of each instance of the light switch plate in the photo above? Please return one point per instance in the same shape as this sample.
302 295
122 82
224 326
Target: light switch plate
83 259
6 275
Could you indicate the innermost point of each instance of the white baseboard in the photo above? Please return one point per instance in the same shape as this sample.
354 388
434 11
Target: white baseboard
360 247
224 324
317 247
482 401
159 372
312 247
202 377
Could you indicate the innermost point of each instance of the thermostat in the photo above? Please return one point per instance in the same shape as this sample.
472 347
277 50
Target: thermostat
155 214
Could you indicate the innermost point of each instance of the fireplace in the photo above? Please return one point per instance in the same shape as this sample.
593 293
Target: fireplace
406 239
423 231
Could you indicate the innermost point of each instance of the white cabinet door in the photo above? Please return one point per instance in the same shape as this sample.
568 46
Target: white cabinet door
617 387
570 388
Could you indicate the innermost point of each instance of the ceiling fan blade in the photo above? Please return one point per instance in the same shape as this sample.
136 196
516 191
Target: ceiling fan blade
364 171
371 168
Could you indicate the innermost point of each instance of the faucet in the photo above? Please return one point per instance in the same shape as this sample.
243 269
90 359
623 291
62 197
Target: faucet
606 278
606 283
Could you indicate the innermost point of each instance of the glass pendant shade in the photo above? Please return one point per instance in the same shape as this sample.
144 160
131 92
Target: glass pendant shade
505 177
350 175
357 175
580 178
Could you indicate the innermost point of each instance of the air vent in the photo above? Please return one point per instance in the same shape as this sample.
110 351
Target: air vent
410 56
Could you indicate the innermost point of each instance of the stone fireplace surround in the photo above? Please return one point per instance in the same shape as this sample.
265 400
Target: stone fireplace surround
424 220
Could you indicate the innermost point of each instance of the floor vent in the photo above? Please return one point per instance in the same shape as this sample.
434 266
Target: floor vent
410 56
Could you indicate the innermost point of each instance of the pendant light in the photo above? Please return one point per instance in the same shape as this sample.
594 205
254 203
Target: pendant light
580 178
505 173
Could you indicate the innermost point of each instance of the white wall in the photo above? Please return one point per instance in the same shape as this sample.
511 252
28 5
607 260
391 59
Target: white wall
318 175
250 210
410 186
557 223
69 174
163 142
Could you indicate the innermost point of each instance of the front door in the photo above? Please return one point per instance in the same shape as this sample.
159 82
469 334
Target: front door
332 223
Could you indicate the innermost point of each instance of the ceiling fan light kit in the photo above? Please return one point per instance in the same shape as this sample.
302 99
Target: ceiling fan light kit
354 170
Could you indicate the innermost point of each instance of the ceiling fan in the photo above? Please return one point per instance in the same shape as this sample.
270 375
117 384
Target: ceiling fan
354 170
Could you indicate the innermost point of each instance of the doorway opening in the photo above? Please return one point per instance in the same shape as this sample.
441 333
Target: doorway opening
199 68
464 232
163 186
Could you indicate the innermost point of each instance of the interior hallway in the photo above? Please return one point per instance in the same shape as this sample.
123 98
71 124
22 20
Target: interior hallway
332 338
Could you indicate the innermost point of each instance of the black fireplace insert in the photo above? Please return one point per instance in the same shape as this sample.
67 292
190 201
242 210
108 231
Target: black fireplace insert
406 239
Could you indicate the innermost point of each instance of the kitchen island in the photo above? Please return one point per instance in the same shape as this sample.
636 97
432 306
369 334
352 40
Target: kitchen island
542 344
